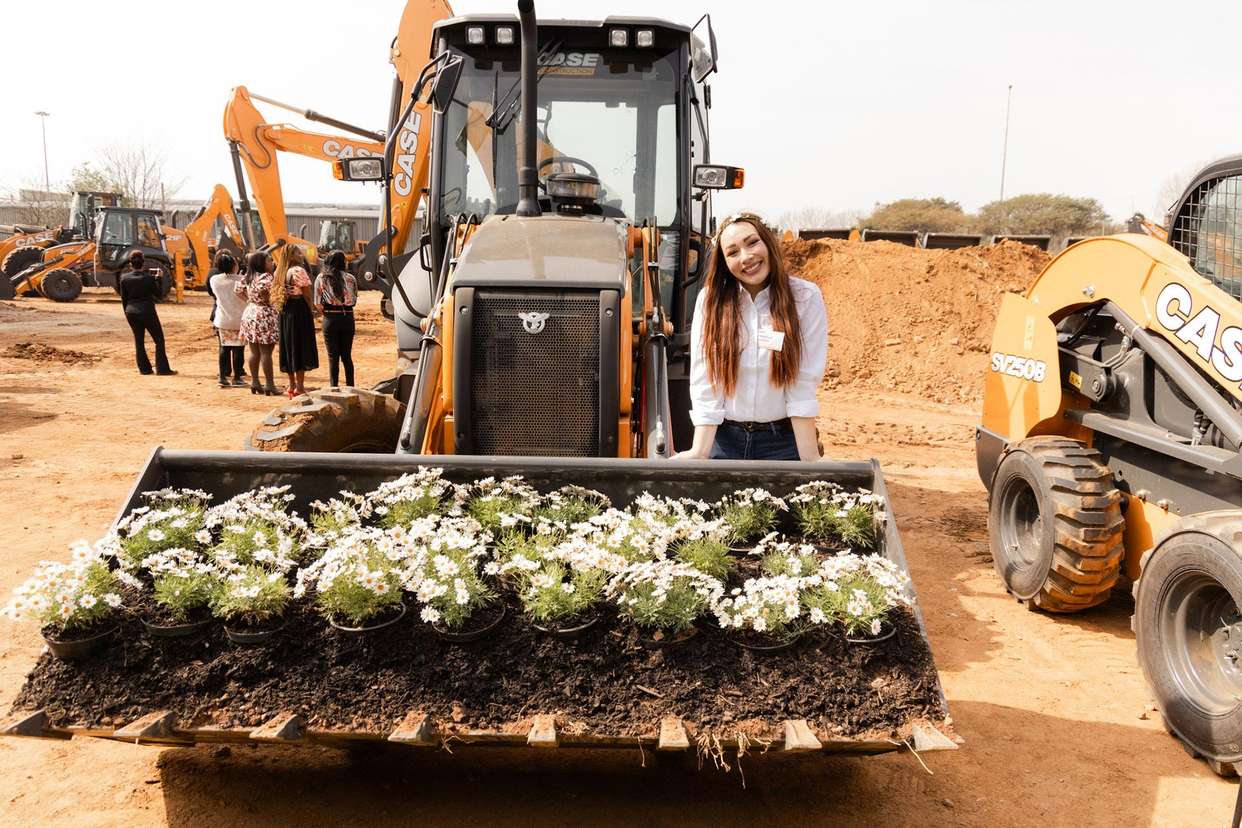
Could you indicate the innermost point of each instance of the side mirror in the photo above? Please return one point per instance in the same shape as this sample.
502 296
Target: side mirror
719 177
445 85
702 58
361 168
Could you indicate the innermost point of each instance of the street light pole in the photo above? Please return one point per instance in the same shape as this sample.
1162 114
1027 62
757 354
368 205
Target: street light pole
47 185
1005 145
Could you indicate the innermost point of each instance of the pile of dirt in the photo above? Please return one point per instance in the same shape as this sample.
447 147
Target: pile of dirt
49 353
603 682
910 320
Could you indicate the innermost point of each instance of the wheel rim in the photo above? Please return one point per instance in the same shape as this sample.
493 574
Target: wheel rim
1202 628
1022 523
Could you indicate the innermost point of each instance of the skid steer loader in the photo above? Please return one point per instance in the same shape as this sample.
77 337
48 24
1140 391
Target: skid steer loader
537 339
1109 444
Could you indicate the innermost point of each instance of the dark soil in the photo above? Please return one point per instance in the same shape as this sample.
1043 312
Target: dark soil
592 683
142 604
48 353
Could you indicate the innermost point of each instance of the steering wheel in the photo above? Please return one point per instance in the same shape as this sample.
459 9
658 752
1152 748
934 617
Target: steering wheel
563 159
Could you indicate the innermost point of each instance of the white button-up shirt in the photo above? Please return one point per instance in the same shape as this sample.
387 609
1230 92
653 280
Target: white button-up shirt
756 399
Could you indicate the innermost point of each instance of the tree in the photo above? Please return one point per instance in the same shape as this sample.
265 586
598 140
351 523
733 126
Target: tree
819 217
87 179
935 215
136 171
1044 214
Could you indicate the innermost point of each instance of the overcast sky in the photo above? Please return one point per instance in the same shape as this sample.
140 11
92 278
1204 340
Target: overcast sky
828 105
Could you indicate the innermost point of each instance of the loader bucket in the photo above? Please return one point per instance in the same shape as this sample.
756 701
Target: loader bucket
842 233
1042 242
910 238
158 720
950 241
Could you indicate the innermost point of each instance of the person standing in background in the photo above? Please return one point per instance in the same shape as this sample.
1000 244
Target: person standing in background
139 290
291 296
227 318
336 293
260 322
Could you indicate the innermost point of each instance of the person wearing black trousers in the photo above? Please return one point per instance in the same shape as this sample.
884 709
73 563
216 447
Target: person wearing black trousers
226 317
139 290
336 293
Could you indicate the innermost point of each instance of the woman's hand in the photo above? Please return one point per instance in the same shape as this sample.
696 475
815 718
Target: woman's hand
701 449
691 454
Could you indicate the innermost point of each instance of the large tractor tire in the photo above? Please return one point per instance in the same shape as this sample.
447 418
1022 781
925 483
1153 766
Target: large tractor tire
61 285
332 420
1189 633
20 259
1055 523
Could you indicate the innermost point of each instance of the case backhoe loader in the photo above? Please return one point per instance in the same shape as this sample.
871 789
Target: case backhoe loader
1110 446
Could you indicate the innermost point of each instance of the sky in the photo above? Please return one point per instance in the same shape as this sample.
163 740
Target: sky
831 106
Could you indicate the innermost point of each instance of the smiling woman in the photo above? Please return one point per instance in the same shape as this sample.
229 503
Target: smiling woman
759 347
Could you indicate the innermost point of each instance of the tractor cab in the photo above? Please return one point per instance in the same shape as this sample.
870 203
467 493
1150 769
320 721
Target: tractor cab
121 230
337 234
84 207
1205 224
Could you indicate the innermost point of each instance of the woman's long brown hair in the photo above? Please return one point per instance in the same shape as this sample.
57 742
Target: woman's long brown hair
722 313
289 256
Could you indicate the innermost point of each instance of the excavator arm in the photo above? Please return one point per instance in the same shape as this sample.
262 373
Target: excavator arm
189 249
255 143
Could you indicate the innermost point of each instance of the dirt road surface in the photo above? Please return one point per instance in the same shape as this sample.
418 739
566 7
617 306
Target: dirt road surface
1055 714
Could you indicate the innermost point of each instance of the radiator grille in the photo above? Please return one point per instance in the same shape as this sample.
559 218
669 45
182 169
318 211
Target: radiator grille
535 394
1208 231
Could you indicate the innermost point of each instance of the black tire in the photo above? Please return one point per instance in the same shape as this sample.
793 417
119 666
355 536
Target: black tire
20 259
61 285
386 308
1189 634
351 420
1055 525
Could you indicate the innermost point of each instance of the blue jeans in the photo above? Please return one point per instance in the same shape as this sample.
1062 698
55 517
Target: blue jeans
736 443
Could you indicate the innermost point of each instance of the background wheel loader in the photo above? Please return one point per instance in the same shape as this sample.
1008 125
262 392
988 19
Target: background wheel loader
1111 447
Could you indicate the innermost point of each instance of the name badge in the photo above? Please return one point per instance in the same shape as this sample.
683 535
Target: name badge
770 339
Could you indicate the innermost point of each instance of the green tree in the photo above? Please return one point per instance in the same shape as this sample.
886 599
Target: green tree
1044 214
936 215
87 179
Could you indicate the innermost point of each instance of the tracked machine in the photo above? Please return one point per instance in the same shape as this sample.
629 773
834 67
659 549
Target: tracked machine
544 324
1110 446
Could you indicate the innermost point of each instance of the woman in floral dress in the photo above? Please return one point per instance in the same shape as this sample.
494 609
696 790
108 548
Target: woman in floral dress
260 325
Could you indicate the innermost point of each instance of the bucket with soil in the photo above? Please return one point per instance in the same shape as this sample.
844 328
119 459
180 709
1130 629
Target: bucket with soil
386 619
81 643
483 623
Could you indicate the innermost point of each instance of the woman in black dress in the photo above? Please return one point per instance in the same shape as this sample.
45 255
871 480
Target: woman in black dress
291 294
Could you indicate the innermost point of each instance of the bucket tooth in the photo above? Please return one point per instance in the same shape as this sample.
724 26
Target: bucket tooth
799 738
927 737
543 733
285 727
28 723
157 725
414 729
673 734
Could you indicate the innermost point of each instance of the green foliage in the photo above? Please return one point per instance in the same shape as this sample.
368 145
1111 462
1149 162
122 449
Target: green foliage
748 519
251 596
559 593
935 215
856 527
786 561
707 555
857 601
85 178
186 590
1044 214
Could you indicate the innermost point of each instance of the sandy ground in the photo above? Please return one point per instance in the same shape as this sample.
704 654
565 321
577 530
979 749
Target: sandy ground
1054 711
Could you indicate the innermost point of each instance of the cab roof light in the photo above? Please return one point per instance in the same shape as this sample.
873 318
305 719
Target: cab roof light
504 35
474 35
619 38
644 38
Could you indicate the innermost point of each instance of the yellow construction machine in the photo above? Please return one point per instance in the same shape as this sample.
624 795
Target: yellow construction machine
180 259
1111 447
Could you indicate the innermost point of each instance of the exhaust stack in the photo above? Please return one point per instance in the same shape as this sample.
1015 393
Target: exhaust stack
528 173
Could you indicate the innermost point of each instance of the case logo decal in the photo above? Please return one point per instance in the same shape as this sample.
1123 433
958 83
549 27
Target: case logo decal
533 322
1175 311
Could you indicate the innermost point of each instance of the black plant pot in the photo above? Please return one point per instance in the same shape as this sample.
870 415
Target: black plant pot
175 630
372 627
465 636
254 635
762 644
71 648
572 630
887 631
659 639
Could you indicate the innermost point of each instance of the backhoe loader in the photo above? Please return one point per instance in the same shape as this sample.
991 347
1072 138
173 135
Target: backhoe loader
551 302
179 259
24 247
1110 446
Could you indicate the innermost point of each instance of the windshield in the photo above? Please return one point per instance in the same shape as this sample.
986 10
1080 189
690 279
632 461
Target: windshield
613 109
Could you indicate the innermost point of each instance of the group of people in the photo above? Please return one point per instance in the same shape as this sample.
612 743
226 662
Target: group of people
759 338
271 304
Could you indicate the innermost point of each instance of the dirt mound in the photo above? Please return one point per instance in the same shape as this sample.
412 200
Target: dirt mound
48 353
909 320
